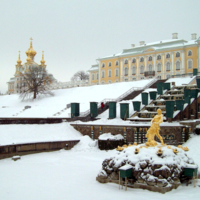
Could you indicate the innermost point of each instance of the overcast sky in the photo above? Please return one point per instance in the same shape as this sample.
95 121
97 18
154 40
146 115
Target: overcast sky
74 33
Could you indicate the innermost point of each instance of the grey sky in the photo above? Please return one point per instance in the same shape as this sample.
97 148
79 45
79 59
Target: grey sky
74 33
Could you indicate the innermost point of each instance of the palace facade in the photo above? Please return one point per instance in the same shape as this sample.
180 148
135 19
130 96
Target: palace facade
16 82
162 59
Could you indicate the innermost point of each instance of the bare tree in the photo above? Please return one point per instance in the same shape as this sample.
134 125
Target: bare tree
80 75
34 82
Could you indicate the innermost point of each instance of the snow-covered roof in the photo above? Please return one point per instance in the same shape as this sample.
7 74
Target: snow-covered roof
155 46
94 68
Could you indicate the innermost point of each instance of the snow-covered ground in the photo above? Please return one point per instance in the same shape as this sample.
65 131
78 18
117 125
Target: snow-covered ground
69 174
12 106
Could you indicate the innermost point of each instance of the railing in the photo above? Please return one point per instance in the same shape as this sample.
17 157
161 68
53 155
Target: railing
149 73
84 114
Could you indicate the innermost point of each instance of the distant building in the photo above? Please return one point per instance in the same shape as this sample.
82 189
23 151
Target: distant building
162 59
15 83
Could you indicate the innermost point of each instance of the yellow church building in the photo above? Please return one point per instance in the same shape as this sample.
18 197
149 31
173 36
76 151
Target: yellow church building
15 83
162 59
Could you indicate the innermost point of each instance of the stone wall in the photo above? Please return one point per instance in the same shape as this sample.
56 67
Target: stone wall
7 151
171 134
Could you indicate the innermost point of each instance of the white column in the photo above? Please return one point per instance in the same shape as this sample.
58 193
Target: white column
138 72
129 73
172 62
145 67
163 67
183 62
154 62
122 71
99 73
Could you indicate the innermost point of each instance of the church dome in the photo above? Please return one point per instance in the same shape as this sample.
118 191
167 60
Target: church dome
31 52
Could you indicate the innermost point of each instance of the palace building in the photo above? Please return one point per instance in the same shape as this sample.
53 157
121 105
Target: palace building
162 59
15 83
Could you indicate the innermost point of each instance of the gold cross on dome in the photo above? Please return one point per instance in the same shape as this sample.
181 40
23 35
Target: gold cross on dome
31 38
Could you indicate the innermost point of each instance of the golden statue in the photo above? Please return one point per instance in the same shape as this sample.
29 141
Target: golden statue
154 129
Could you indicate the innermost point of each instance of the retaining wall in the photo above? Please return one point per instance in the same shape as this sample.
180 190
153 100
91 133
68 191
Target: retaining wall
7 151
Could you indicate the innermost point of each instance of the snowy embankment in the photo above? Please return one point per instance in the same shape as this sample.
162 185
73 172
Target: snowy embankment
18 134
12 106
72 175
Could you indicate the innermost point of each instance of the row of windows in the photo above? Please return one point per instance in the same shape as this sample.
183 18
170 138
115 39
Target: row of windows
149 59
150 68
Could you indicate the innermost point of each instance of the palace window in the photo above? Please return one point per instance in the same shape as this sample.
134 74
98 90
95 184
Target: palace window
168 55
159 57
93 76
150 68
189 64
103 74
109 73
133 70
134 60
189 53
177 54
150 58
141 59
159 67
142 69
109 64
168 68
126 71
103 65
178 65
97 76
116 63
116 72
126 61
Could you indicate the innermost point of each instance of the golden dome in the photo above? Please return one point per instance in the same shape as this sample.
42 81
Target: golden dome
31 52
19 61
28 59
42 61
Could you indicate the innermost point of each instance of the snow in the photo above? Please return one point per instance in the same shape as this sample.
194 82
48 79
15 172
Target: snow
109 136
12 106
71 174
18 134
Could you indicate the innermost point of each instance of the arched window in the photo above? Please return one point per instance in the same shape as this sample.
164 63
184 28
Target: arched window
126 71
116 72
126 61
92 76
150 68
116 63
103 74
178 65
168 55
158 57
177 54
134 60
190 64
133 70
168 67
189 53
158 67
109 73
150 58
97 76
141 59
109 82
109 64
142 69
103 65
